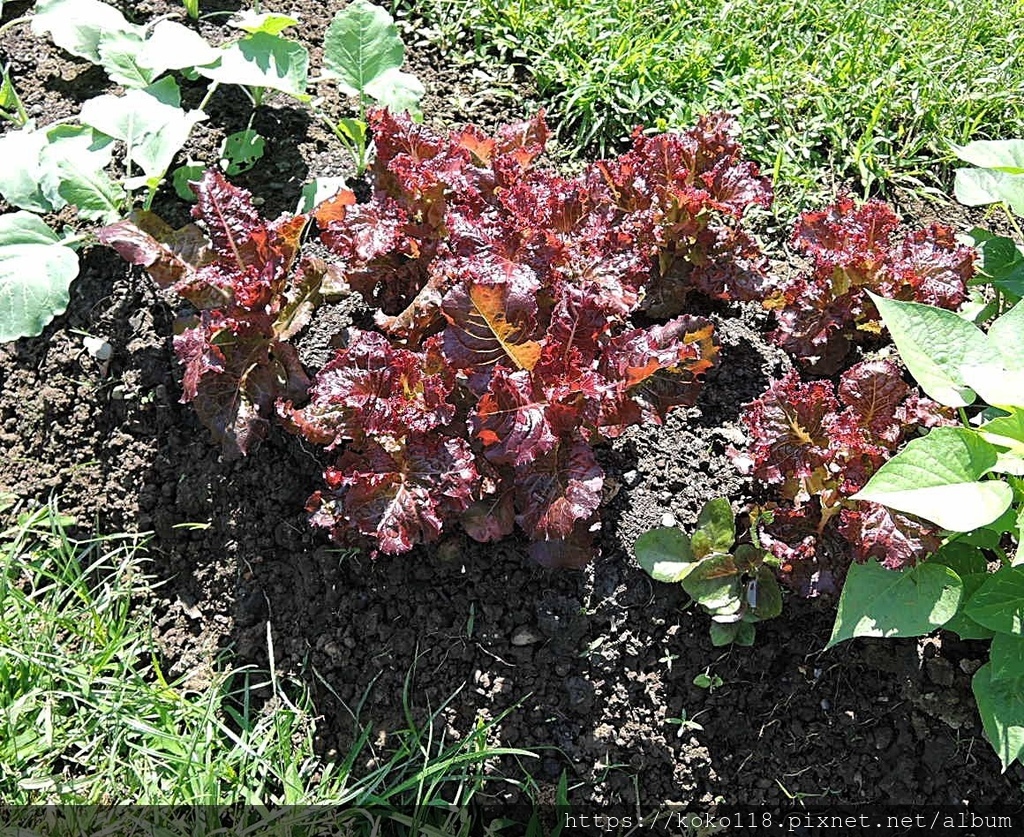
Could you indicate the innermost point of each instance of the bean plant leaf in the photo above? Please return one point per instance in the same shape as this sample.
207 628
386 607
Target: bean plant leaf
999 603
262 60
1002 263
887 603
361 44
35 273
1002 714
935 344
1007 657
938 477
664 554
397 91
716 528
241 151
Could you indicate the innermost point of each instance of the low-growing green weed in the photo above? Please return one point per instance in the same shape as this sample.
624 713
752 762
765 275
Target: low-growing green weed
825 91
89 716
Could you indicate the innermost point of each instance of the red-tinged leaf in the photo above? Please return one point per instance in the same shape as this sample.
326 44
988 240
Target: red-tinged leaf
170 256
479 145
920 411
789 426
730 266
807 560
510 421
232 222
490 519
576 334
935 267
557 490
492 323
815 326
849 244
234 372
372 389
334 209
895 539
549 202
369 232
686 349
872 392
398 498
301 298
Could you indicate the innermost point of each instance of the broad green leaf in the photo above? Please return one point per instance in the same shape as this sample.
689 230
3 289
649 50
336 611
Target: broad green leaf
1018 558
1005 431
938 477
152 130
1007 657
664 554
977 187
962 624
270 22
183 175
240 151
79 26
35 273
263 60
1006 338
72 166
1002 263
885 603
716 528
361 44
397 90
724 633
961 558
317 191
995 384
934 344
767 600
1002 714
1005 155
999 603
21 174
714 583
119 56
172 46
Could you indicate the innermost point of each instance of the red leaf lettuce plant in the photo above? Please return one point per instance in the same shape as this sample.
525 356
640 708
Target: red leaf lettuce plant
854 249
507 304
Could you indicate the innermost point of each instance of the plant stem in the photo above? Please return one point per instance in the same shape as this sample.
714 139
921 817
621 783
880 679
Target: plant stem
209 95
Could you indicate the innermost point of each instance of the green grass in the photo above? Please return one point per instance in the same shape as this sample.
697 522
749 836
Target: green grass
826 90
87 715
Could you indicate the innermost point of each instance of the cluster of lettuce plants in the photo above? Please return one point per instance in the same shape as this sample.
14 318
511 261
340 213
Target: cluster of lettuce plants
117 151
506 304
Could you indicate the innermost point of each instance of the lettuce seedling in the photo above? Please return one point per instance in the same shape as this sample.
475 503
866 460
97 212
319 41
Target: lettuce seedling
732 582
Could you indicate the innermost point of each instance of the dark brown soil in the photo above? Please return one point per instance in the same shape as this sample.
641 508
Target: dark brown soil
596 662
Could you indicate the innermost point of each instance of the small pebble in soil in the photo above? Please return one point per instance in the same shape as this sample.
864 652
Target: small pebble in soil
629 477
525 635
826 704
668 519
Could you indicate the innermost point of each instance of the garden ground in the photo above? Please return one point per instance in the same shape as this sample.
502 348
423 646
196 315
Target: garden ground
597 665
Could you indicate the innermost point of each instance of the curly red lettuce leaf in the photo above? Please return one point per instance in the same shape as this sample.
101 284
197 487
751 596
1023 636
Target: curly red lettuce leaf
855 249
896 540
397 497
371 389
